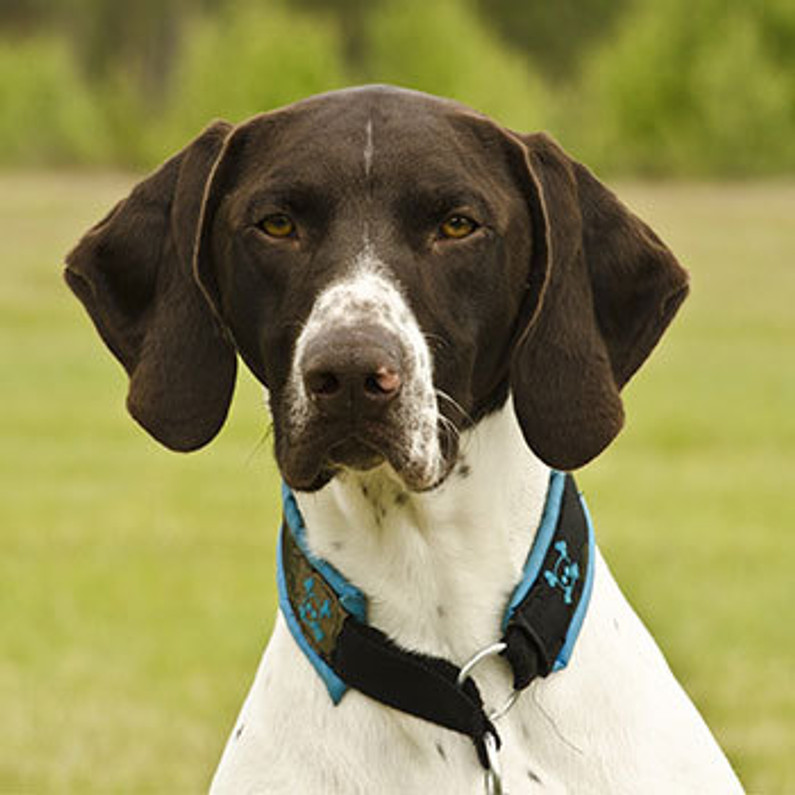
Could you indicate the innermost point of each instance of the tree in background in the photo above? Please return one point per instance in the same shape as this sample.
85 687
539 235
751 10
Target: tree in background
698 89
555 36
641 86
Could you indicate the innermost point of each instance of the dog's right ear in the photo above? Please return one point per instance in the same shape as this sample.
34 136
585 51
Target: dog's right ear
133 272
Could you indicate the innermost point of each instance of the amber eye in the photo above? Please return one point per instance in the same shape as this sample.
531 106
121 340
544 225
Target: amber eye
457 226
278 225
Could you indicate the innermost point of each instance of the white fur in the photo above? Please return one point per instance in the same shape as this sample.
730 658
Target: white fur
437 570
369 148
368 295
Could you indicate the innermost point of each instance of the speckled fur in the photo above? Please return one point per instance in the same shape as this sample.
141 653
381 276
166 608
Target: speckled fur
368 294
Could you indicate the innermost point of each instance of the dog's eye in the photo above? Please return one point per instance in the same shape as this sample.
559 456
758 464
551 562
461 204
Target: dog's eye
457 227
278 225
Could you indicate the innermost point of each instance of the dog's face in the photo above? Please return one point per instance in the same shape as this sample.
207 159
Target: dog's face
369 253
389 266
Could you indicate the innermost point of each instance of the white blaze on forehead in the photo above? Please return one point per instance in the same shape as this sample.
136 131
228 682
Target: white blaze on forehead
369 150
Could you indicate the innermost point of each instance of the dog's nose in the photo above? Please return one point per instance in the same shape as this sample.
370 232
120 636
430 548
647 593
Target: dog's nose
352 373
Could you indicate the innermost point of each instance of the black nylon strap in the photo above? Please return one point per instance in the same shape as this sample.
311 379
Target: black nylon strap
537 630
421 685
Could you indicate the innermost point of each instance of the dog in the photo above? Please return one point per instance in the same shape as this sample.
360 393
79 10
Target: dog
443 313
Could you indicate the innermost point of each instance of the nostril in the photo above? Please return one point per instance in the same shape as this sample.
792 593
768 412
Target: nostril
383 381
323 384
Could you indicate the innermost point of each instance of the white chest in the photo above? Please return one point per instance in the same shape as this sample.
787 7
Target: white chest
438 569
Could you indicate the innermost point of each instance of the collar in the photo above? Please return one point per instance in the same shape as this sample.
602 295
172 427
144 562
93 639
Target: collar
327 617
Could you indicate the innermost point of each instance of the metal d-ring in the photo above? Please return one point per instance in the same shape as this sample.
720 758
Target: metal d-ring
490 651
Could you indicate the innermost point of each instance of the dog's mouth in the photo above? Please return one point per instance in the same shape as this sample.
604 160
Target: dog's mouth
315 456
355 453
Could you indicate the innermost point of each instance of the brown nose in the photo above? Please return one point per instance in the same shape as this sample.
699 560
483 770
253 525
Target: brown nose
352 373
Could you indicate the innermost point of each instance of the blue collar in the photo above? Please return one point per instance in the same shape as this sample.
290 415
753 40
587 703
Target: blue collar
544 613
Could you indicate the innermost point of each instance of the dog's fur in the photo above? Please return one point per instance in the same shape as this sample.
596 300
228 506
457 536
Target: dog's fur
421 384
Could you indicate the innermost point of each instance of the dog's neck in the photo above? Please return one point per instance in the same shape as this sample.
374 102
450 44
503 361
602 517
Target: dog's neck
437 567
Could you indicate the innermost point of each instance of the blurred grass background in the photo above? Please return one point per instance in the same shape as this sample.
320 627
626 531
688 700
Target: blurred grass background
136 586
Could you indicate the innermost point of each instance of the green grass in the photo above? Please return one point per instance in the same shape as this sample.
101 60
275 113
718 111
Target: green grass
136 585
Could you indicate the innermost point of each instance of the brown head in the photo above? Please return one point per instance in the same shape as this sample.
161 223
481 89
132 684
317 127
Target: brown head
386 263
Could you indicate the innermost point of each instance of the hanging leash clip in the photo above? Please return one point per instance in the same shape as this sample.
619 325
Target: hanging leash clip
493 779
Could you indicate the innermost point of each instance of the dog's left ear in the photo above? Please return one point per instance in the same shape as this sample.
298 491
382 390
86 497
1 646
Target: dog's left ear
612 287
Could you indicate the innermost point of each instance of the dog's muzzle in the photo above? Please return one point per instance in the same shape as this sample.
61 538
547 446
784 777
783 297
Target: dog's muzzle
353 375
361 390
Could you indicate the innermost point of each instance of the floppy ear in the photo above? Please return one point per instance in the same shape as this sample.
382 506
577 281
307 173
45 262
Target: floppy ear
612 289
133 272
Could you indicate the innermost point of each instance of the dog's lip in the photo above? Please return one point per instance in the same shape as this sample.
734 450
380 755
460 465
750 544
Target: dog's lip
356 453
333 440
309 460
318 453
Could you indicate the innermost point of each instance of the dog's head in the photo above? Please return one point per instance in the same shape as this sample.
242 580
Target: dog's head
390 266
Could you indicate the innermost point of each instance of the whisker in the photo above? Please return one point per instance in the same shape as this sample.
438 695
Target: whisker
449 426
452 434
551 721
442 395
259 445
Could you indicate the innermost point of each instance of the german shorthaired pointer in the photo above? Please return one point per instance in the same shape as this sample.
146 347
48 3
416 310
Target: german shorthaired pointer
443 313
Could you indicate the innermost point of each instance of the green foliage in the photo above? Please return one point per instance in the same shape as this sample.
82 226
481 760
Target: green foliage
445 48
658 87
687 89
46 111
555 35
254 57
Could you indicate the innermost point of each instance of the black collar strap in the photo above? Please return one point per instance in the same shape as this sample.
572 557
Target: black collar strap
327 616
